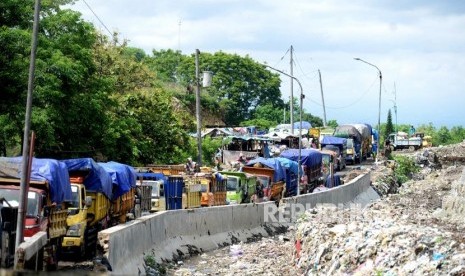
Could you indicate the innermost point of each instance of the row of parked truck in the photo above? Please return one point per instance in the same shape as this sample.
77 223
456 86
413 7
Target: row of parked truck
71 200
260 179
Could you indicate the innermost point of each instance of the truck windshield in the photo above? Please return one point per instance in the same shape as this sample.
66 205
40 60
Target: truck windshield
12 196
231 185
350 143
332 148
264 180
326 158
74 203
154 190
155 187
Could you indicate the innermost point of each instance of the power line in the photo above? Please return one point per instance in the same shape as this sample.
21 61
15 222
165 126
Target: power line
98 18
352 103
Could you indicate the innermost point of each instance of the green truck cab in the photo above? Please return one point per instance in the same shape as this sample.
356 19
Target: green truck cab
240 187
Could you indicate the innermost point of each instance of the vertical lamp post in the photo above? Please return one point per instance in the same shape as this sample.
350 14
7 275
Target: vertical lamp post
206 82
302 96
379 105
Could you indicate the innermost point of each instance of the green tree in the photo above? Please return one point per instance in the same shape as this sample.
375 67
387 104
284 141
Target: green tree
442 136
239 86
389 126
332 124
457 134
166 64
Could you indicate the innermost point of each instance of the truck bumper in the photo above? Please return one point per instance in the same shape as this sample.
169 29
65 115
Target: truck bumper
350 158
71 242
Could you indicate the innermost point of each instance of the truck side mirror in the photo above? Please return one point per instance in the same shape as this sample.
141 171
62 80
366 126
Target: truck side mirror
88 201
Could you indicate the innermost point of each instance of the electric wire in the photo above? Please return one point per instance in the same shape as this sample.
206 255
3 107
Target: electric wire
98 18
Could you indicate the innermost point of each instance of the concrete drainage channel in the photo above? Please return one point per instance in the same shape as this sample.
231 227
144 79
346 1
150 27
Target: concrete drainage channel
178 234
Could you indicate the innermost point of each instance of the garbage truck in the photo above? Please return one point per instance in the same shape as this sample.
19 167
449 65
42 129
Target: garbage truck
354 142
91 188
103 195
46 206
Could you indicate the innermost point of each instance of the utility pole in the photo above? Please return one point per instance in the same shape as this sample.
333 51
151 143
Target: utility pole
395 103
197 108
26 154
292 91
322 100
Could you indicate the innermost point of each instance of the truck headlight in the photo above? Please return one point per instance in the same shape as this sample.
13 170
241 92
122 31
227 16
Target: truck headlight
75 230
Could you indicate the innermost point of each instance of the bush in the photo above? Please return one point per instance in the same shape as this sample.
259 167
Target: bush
405 168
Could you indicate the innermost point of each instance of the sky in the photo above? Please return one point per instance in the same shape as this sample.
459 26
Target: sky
418 45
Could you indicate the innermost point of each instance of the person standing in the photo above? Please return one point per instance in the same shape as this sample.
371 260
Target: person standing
190 166
411 131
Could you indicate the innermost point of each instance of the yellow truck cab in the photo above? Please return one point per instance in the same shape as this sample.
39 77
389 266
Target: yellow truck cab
77 219
91 189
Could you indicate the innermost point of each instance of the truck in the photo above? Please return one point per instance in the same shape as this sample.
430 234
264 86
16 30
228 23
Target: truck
46 206
329 159
311 161
91 188
123 198
404 142
213 188
292 175
240 187
271 175
354 142
365 131
103 195
338 145
157 183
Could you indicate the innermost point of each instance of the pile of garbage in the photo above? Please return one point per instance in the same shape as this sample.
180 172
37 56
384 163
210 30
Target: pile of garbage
403 233
269 256
415 228
451 154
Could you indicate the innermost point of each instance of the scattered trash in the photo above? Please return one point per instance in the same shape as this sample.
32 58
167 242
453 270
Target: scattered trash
414 229
235 250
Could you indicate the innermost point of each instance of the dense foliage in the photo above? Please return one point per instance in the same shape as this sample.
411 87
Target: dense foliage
93 96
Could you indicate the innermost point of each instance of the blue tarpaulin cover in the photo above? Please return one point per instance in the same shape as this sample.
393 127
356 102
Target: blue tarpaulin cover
309 157
279 170
292 170
290 165
123 177
97 179
50 170
332 140
152 176
305 125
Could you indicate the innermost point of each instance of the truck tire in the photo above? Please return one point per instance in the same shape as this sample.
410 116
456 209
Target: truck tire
411 148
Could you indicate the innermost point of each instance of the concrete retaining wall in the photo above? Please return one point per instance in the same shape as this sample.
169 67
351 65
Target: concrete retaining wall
173 234
357 191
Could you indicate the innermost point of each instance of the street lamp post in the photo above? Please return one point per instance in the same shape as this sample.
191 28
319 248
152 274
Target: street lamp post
302 96
206 83
379 105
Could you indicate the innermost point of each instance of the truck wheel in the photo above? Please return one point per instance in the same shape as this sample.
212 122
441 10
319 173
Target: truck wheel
411 148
